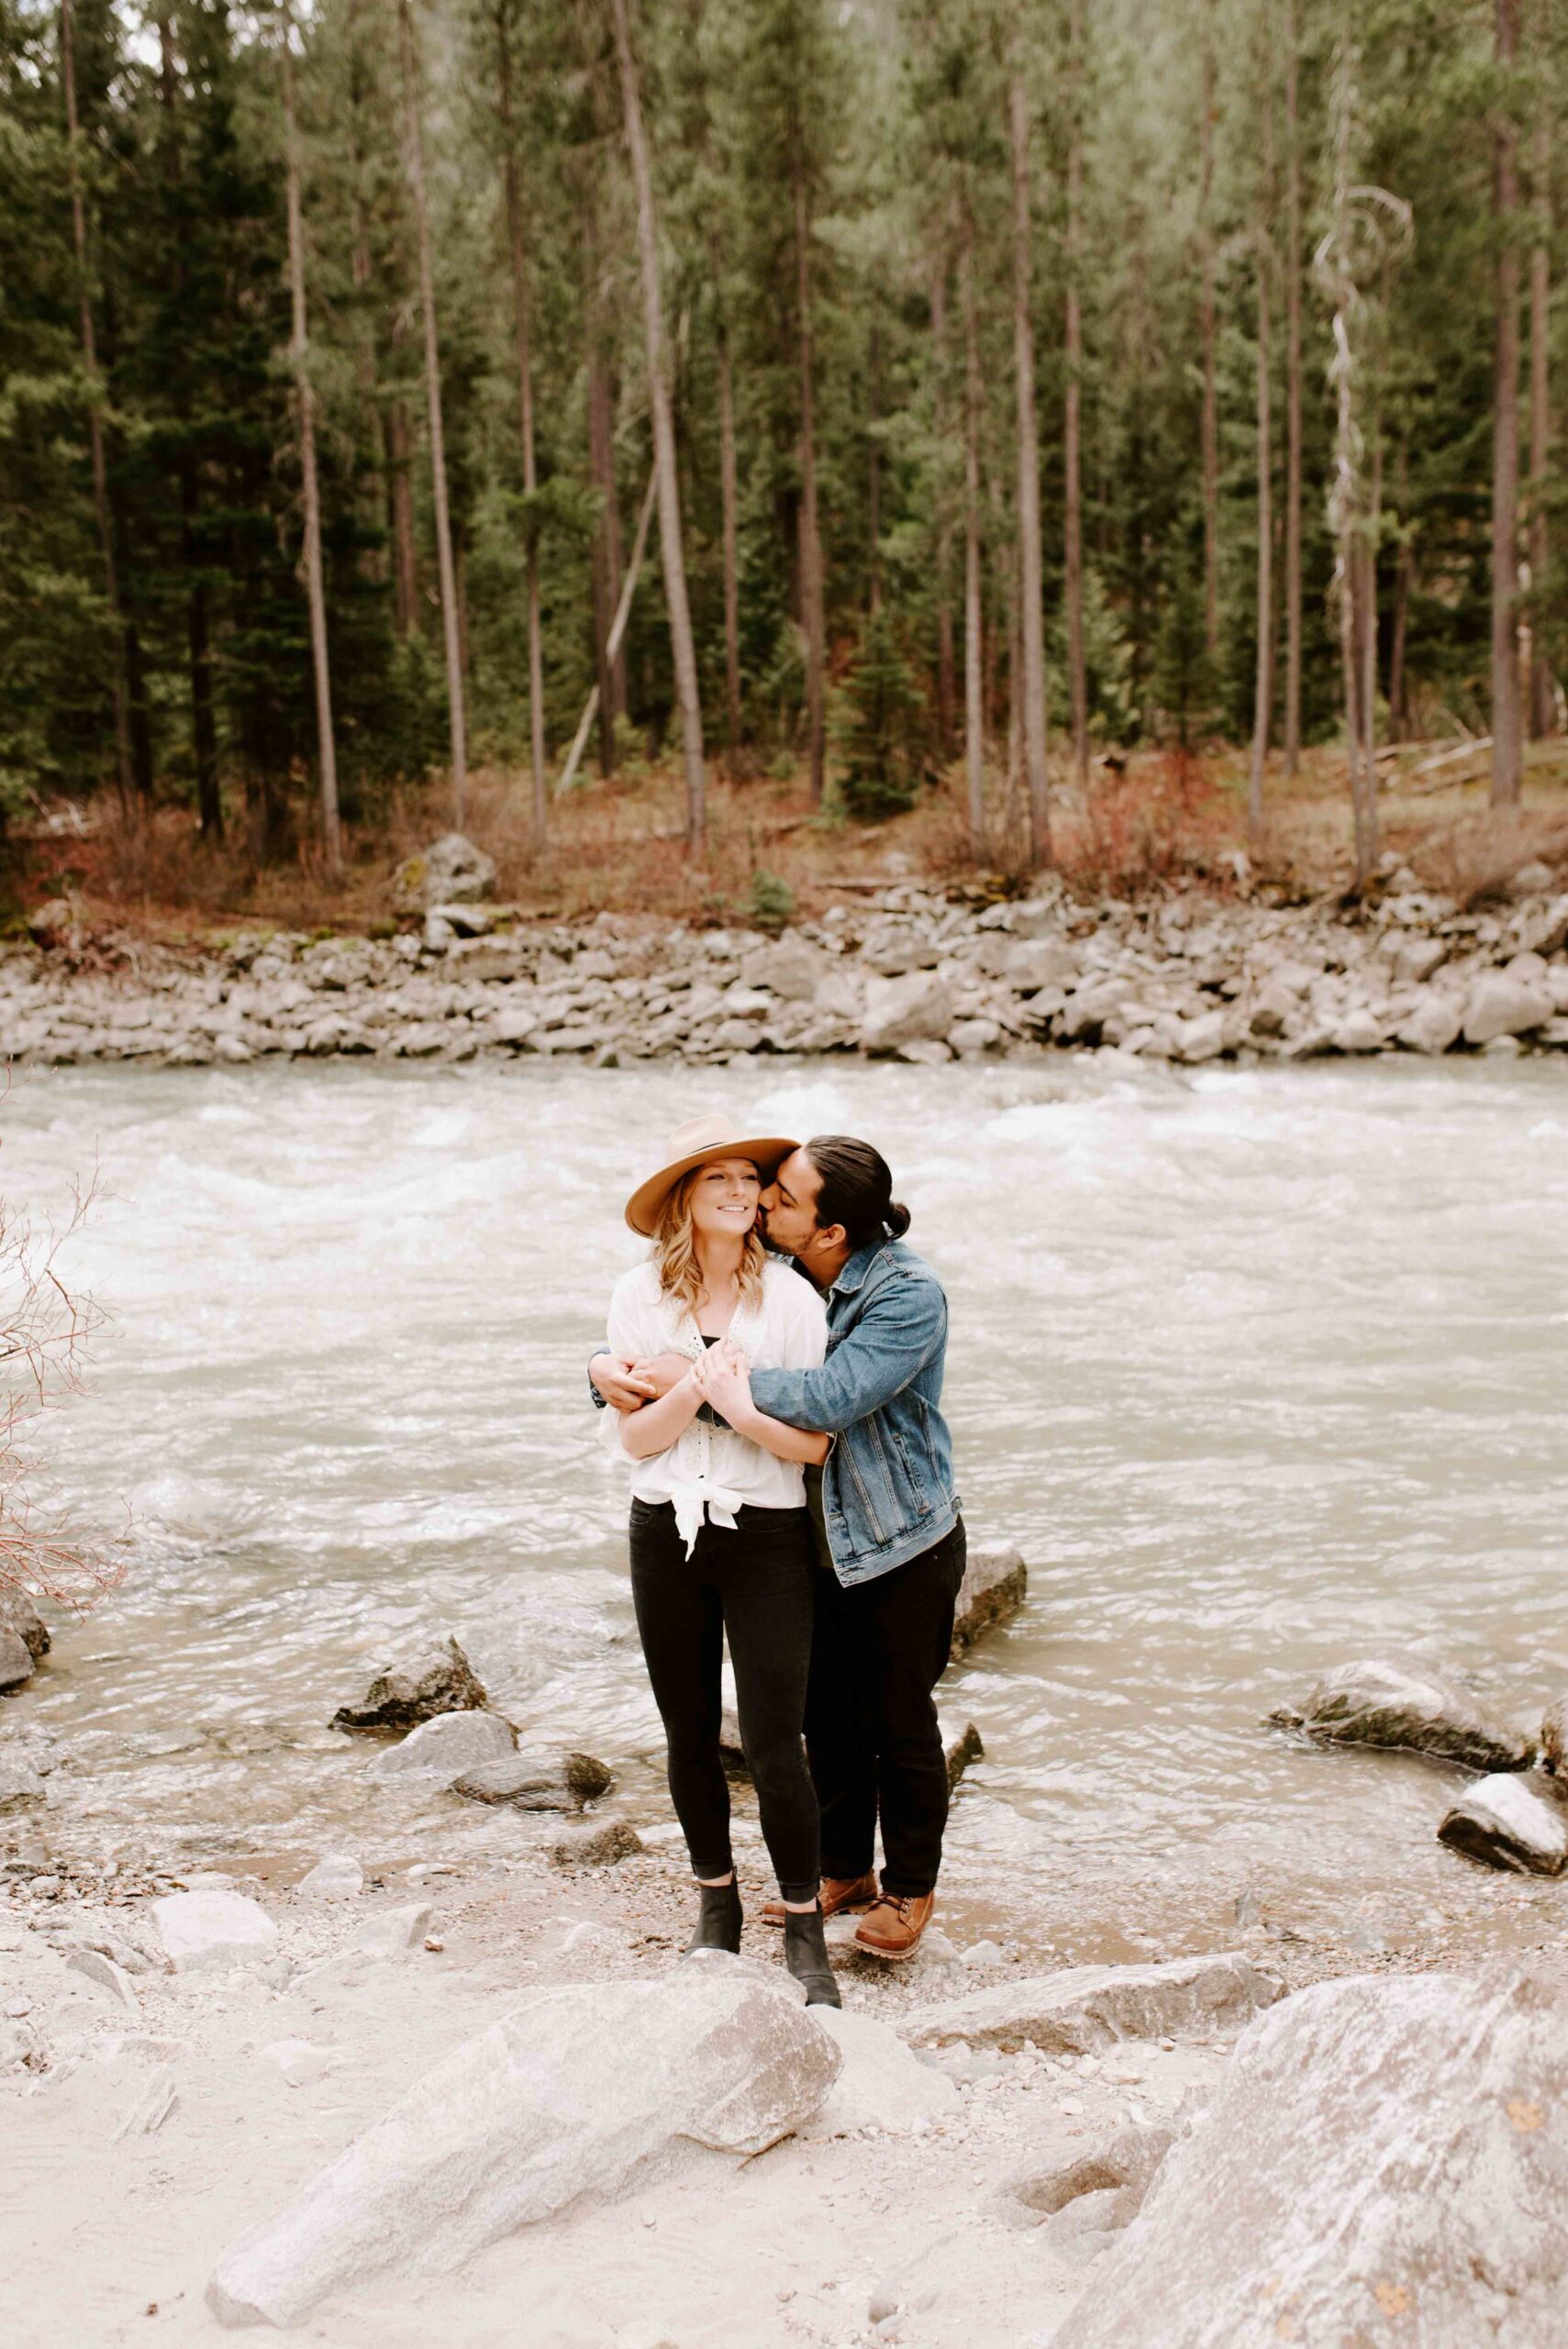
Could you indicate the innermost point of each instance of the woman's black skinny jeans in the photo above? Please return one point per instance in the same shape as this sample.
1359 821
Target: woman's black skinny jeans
753 1585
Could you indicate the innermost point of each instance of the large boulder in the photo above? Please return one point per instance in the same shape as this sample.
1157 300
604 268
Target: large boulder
1432 1025
790 968
435 1677
538 1780
1031 964
1510 1821
1407 1705
578 2091
1385 2165
1086 2007
444 1748
995 1583
451 871
882 2084
918 1009
1502 1004
18 1614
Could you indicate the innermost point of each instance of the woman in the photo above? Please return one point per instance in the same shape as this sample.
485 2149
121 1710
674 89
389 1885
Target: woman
721 1544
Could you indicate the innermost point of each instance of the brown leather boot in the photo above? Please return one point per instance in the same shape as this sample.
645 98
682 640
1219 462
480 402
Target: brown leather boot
893 1926
839 1892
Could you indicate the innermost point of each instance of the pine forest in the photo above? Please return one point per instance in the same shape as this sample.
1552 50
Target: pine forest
772 414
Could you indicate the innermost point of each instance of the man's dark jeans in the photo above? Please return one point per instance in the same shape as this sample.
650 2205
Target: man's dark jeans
877 1651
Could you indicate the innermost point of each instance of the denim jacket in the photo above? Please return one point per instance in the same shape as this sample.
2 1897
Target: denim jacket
887 1489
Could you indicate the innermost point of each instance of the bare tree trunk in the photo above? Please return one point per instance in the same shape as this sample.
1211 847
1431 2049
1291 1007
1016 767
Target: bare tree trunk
372 564
373 560
305 414
617 630
670 542
1506 748
1077 681
730 505
874 471
608 567
1542 692
1262 698
1398 715
1206 338
400 500
521 324
973 678
204 723
447 570
1031 616
811 582
1292 401
944 507
1016 785
124 774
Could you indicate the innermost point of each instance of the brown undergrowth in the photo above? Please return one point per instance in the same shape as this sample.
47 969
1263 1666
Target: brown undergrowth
1149 820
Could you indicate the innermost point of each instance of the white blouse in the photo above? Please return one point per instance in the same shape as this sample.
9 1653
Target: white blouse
711 1470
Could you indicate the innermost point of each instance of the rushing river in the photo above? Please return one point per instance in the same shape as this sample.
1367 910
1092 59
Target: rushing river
1257 1368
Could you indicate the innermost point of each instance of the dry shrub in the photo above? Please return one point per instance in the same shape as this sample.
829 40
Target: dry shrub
1473 860
46 1332
1159 818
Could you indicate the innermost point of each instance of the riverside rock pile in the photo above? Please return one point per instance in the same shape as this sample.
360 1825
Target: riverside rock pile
911 978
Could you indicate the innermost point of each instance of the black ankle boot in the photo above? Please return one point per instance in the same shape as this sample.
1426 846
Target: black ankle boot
718 1919
805 1954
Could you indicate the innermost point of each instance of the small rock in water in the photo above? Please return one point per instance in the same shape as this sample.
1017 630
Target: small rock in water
445 1748
1555 1737
1407 1705
337 1876
962 1751
601 1846
1510 1822
995 1583
16 1660
19 1782
18 1614
533 1780
434 1680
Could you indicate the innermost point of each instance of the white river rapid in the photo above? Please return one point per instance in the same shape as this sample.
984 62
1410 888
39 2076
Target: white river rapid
1258 1368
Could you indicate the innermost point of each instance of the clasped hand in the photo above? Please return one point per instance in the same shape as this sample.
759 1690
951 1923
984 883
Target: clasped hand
723 1377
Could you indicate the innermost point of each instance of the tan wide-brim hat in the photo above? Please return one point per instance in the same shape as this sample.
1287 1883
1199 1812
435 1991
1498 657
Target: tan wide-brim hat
695 1144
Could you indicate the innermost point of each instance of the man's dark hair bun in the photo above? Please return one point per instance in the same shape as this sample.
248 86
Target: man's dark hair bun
856 1190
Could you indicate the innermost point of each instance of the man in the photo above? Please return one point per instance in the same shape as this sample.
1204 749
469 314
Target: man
891 1534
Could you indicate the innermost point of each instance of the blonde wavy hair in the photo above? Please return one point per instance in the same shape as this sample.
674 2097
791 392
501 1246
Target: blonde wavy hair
675 1251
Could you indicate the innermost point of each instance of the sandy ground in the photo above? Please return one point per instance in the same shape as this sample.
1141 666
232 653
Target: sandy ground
890 2234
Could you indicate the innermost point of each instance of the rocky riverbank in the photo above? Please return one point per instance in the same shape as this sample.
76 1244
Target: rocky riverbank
912 975
393 2090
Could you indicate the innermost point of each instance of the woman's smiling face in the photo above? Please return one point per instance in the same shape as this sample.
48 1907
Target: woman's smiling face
724 1197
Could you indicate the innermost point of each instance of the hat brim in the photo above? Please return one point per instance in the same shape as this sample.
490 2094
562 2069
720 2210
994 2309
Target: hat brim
766 1151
